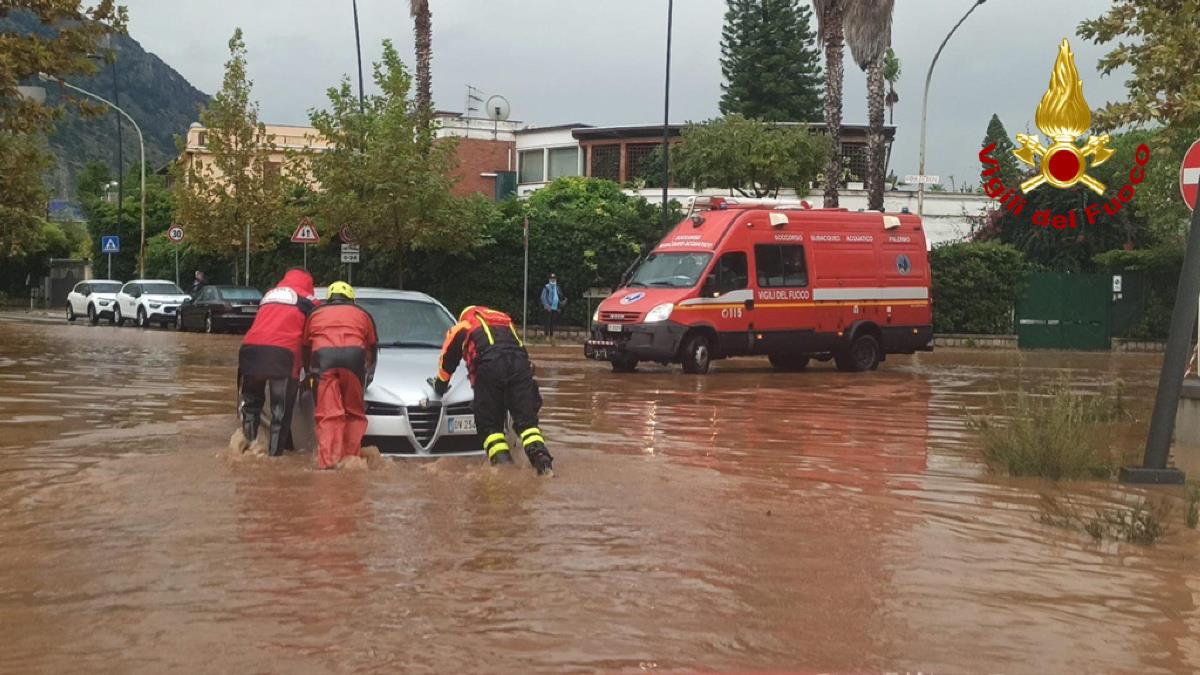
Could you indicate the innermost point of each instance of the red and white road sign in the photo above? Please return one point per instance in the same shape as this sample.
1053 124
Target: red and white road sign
346 235
1189 175
306 233
175 234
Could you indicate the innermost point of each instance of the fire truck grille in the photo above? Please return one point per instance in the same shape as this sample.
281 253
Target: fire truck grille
619 317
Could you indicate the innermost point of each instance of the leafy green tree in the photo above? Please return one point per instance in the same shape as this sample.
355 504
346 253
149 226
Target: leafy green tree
1009 171
770 61
976 287
103 220
68 32
23 158
830 25
748 156
232 198
891 74
385 175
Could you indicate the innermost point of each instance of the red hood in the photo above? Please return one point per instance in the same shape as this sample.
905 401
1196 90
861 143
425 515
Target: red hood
642 300
299 281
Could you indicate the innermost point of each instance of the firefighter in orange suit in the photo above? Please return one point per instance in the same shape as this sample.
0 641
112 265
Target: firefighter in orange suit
341 348
502 376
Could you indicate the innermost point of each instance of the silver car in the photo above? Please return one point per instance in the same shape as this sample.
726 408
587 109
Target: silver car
404 417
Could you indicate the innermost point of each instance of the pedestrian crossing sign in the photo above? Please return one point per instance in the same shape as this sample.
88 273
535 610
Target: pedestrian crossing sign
110 244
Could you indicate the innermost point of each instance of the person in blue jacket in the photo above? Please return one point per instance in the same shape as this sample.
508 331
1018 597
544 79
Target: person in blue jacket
552 303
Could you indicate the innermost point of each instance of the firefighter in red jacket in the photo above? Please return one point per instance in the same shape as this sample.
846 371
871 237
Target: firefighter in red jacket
269 359
341 348
502 376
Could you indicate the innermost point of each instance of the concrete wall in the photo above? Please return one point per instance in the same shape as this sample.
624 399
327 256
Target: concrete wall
478 162
1187 429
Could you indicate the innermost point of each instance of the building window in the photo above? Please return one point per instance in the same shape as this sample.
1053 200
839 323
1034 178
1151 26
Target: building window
202 138
643 162
533 166
564 162
855 162
606 162
780 266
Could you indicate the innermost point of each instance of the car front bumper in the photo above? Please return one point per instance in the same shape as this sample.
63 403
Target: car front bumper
164 312
416 431
657 341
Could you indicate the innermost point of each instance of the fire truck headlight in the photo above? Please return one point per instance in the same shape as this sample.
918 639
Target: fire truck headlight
660 313
596 316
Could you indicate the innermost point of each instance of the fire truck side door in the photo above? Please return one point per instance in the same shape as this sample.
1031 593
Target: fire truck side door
733 312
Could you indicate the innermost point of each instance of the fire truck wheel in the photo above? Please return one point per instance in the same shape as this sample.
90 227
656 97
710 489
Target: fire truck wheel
862 355
624 365
789 363
696 355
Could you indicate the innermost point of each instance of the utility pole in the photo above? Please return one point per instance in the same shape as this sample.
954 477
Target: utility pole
666 141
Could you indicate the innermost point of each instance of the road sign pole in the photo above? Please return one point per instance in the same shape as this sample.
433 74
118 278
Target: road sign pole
525 294
176 264
1170 380
109 265
306 256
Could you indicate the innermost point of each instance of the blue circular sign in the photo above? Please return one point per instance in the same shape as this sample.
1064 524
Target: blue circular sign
632 298
903 264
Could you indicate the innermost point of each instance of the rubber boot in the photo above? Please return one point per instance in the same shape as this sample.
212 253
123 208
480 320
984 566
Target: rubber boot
278 416
502 457
540 458
249 428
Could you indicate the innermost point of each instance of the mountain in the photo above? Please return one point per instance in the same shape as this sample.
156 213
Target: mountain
156 96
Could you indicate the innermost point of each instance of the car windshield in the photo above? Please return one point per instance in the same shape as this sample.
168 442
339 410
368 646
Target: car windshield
105 288
161 289
677 270
407 323
241 294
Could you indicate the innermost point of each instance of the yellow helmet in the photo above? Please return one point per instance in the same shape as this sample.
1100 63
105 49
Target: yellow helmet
341 288
466 310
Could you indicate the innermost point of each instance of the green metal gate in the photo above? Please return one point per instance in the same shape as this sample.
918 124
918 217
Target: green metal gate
1065 311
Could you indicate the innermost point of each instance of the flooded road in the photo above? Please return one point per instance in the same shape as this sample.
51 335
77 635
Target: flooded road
747 520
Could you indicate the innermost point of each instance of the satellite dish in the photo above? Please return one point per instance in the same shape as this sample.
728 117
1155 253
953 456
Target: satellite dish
498 108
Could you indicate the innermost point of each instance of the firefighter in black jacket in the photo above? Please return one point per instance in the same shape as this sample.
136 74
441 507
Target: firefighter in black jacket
502 376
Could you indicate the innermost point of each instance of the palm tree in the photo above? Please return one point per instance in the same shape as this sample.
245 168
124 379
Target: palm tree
829 26
868 26
423 28
891 73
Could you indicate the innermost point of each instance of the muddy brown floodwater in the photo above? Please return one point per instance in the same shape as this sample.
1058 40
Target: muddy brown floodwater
746 520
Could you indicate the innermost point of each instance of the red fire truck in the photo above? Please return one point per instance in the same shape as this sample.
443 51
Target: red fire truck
785 281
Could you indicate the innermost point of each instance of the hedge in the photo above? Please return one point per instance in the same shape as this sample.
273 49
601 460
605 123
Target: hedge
976 287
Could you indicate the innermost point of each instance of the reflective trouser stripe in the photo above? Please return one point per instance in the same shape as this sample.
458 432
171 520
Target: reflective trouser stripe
495 444
532 435
487 329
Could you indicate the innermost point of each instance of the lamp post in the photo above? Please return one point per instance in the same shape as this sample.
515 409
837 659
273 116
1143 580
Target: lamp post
666 141
141 144
925 107
362 105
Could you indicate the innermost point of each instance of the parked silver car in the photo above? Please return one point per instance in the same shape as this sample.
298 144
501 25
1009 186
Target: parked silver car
404 417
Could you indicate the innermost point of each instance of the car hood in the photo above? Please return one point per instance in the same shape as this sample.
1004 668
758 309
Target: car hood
170 299
638 300
102 296
401 373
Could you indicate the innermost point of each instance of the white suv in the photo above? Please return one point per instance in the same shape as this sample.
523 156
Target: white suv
94 298
148 301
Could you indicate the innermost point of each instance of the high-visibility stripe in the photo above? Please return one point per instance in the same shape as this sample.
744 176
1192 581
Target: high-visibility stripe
893 293
497 449
494 438
536 438
486 329
791 305
530 430
514 332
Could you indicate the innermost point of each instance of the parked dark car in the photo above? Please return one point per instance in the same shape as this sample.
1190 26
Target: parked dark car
216 309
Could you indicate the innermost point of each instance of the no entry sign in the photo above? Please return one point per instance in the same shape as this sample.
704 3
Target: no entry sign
1189 175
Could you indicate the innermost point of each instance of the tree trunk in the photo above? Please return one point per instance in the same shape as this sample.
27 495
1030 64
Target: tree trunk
400 268
875 154
423 28
834 73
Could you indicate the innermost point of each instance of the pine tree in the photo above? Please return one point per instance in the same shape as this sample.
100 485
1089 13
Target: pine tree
770 61
1010 172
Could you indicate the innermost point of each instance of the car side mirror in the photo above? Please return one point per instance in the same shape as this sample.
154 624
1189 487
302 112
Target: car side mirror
188 300
709 289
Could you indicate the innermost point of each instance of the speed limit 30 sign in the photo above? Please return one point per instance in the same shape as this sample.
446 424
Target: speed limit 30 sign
175 234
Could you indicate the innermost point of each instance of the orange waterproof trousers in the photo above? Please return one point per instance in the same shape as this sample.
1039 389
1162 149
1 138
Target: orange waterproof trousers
341 417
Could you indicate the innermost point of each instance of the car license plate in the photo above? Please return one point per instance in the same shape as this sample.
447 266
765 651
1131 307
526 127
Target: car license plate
460 423
249 310
614 328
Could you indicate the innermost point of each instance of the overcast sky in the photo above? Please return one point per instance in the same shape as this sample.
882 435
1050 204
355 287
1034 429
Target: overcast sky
601 61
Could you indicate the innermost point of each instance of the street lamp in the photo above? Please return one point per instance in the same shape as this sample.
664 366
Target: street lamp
925 108
141 143
362 105
666 142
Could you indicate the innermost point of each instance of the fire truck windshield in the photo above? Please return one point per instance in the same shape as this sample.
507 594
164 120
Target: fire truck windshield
675 270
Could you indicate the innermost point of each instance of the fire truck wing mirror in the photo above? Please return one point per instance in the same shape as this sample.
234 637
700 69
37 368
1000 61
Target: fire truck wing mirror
710 286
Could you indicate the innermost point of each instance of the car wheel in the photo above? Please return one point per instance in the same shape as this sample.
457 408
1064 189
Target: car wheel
789 363
862 355
696 355
93 317
117 319
70 313
142 321
624 365
208 324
